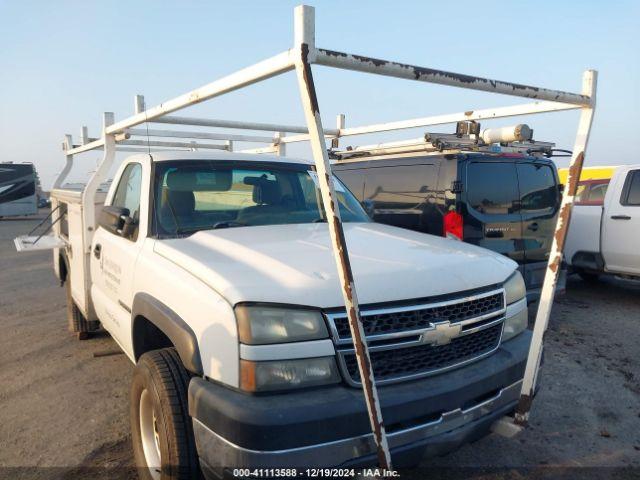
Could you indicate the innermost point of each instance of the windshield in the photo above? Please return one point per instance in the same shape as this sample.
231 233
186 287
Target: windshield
200 195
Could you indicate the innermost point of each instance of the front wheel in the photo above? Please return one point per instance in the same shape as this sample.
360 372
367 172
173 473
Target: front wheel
162 432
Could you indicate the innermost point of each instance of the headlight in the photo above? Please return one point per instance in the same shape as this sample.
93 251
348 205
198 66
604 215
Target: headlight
516 321
287 374
258 325
514 288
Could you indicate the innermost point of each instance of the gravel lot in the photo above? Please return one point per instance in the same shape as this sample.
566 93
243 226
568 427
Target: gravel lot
64 412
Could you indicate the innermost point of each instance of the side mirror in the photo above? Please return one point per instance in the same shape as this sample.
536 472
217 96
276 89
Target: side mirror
117 221
369 207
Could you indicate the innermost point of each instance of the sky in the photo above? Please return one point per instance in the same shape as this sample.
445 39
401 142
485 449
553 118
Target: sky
64 63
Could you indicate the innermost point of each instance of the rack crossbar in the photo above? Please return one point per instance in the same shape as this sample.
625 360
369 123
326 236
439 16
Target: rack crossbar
484 114
348 61
268 68
156 143
210 122
200 135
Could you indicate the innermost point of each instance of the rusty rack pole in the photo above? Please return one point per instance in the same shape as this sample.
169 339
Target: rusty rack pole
589 82
305 51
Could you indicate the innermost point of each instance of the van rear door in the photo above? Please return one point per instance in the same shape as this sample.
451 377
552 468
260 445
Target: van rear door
402 191
539 203
491 207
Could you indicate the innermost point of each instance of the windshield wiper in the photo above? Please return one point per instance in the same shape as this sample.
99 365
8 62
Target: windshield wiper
223 224
228 224
181 230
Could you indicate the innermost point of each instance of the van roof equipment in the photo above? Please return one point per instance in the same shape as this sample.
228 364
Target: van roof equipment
120 136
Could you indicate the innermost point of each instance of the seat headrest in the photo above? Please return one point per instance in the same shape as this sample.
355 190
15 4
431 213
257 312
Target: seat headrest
264 191
180 203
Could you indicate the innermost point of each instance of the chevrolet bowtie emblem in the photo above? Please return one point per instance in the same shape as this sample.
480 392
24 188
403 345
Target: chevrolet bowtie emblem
441 334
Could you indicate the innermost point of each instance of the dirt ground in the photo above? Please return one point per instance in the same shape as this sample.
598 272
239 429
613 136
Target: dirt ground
64 412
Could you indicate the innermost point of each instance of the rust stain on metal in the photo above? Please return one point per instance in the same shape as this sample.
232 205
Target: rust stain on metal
306 71
555 265
564 217
420 73
363 357
355 324
344 266
522 410
332 53
574 173
376 61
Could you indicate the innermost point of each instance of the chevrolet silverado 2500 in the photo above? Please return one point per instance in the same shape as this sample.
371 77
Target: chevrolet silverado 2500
214 274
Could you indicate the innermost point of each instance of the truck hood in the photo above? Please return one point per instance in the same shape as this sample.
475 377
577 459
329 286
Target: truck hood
294 264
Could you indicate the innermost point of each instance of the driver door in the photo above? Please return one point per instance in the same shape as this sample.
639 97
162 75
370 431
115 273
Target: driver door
113 260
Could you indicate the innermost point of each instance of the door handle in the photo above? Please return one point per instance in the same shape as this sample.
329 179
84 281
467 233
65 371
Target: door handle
533 227
620 217
97 250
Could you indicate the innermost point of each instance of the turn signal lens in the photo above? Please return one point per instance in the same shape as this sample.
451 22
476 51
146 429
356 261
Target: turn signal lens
287 374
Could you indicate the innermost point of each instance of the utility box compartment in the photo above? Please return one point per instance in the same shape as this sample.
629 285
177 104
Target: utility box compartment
70 231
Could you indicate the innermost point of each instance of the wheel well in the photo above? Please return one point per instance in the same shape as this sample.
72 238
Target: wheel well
146 337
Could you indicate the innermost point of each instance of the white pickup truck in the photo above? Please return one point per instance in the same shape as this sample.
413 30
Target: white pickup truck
215 275
605 227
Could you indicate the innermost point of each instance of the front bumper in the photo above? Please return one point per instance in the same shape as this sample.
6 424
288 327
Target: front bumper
329 426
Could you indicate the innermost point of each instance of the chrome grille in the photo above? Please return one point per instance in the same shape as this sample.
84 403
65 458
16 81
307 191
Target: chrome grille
403 362
399 321
414 341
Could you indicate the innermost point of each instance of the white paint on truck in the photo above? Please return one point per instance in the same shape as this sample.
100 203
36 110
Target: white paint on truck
604 238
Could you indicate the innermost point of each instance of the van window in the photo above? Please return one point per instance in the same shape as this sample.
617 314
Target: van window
492 187
538 188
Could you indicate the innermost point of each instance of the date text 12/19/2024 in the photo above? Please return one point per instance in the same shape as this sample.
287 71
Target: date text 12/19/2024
314 473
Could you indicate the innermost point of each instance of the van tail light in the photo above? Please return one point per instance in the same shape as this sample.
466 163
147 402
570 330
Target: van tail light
452 225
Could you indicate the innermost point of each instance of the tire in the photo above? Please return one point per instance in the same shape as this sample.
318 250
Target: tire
161 428
589 277
75 319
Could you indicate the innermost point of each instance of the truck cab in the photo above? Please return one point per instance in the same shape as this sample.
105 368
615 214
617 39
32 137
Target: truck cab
605 226
214 274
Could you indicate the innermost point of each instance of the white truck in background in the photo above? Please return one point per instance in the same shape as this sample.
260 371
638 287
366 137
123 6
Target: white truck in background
604 235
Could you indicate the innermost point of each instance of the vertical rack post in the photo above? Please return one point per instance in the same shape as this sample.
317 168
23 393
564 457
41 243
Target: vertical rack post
335 142
62 176
589 81
99 176
305 55
138 104
281 147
